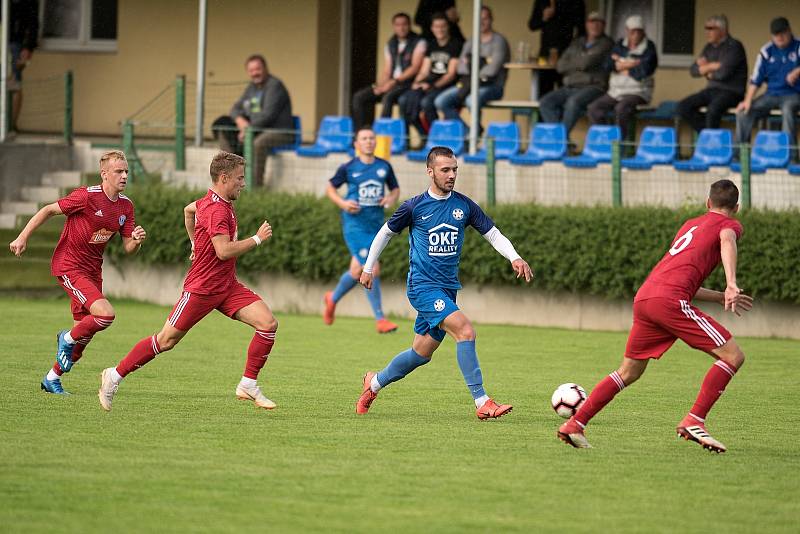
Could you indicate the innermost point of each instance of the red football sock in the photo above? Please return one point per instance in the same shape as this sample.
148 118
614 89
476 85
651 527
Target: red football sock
90 325
140 354
714 384
603 392
257 352
77 352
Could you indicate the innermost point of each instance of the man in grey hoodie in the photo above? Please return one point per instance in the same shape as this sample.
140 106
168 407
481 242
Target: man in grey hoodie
585 76
264 106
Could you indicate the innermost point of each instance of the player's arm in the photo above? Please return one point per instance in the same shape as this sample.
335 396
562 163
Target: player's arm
227 249
391 197
379 243
133 243
19 245
189 221
506 249
350 206
728 251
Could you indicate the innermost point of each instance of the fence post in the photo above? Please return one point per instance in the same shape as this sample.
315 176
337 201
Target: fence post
744 160
136 169
68 99
180 123
491 190
248 157
616 175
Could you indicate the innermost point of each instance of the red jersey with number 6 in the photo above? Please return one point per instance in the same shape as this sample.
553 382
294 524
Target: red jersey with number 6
694 254
92 220
208 274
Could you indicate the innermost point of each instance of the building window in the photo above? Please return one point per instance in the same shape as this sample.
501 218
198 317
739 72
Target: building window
668 23
78 25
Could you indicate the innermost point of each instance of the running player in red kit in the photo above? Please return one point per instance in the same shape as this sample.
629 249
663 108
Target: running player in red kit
663 312
210 285
94 215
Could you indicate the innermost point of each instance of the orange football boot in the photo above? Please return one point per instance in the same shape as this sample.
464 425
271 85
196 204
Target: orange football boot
367 395
492 410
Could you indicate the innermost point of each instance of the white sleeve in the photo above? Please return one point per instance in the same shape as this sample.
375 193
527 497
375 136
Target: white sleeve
378 244
501 244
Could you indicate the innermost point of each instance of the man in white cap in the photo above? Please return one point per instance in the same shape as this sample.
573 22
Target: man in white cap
632 63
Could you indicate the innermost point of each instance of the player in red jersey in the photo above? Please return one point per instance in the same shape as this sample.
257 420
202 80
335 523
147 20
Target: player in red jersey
94 215
211 284
663 312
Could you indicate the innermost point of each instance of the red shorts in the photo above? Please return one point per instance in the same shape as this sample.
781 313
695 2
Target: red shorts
83 291
658 322
192 307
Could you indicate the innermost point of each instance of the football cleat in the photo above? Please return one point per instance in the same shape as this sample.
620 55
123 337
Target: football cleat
367 395
53 386
254 394
330 308
384 326
691 429
107 389
64 352
491 410
572 434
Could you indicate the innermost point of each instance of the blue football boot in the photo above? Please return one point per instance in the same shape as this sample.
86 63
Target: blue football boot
53 386
64 352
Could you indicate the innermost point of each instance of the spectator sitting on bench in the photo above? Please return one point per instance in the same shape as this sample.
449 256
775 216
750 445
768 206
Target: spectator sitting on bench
778 64
724 64
494 54
402 59
559 21
632 64
585 76
265 105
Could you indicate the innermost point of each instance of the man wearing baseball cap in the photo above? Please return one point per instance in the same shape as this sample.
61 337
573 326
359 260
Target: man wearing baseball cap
777 64
632 63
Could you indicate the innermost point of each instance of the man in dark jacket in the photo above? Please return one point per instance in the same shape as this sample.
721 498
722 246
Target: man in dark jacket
585 76
402 59
265 106
724 64
559 21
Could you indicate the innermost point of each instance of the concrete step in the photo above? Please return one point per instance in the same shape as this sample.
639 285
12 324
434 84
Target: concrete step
67 179
19 208
52 226
41 193
8 220
192 179
198 159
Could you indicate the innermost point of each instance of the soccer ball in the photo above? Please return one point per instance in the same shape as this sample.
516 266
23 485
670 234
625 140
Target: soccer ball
567 398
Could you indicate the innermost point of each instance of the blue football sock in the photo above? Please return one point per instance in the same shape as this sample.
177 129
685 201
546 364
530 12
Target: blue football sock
346 283
374 297
468 363
400 366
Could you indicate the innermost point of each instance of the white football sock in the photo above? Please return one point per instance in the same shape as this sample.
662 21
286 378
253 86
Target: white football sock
52 375
68 338
374 385
480 401
115 376
248 383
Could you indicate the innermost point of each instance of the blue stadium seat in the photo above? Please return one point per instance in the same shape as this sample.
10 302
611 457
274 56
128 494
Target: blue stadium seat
770 151
449 133
506 142
656 146
794 168
396 129
335 135
548 142
298 136
714 147
597 147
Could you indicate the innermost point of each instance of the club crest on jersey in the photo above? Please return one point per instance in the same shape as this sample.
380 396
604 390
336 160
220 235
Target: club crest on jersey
438 305
363 253
370 192
122 220
101 236
381 173
443 240
458 214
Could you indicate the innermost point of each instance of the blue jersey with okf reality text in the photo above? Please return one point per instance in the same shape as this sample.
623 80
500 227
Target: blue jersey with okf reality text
436 235
365 184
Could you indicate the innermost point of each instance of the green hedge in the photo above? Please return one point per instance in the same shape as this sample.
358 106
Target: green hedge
599 251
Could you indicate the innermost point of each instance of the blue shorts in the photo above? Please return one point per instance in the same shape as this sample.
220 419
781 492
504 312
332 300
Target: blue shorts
433 305
358 242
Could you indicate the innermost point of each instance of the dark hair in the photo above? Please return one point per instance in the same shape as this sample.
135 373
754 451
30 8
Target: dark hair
224 163
438 151
724 194
439 16
488 10
256 57
362 128
402 14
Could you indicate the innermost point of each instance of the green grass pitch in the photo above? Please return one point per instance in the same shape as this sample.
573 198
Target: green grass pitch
179 453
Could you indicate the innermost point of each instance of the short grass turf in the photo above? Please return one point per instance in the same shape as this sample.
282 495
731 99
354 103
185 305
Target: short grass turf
179 453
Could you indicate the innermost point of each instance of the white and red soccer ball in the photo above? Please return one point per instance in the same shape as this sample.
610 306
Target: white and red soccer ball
567 398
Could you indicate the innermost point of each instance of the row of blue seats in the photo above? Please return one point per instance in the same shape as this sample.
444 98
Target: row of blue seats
657 145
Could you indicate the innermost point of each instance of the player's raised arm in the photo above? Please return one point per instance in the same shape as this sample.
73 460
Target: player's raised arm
227 249
19 245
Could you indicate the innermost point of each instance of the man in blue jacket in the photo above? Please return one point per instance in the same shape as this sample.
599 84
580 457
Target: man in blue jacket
778 64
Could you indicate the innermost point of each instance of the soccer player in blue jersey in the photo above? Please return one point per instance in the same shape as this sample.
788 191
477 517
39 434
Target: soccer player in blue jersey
437 220
367 178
